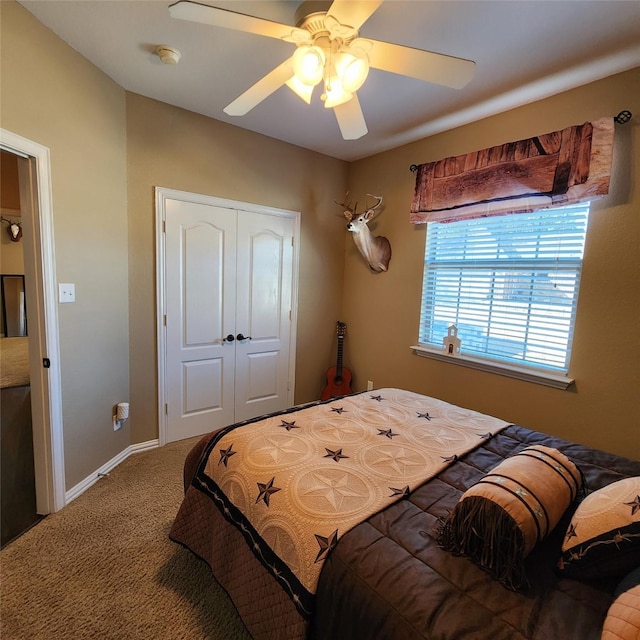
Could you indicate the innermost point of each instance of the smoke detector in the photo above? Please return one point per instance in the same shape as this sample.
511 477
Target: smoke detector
167 54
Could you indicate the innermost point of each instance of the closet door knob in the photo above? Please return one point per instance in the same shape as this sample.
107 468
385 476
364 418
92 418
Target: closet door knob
229 338
241 337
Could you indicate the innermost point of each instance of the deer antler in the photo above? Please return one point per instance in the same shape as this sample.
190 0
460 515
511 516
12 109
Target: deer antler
349 212
370 210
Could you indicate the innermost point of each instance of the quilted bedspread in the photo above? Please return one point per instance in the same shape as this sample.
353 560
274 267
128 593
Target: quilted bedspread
294 483
387 578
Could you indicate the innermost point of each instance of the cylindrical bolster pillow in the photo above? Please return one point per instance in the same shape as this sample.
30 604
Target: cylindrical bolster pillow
499 520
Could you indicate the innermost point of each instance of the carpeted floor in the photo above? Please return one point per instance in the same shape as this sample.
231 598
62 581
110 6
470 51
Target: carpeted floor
14 362
104 568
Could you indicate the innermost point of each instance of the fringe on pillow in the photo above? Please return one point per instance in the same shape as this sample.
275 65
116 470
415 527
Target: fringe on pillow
484 532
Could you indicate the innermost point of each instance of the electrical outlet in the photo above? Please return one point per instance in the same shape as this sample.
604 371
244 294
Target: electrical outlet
369 385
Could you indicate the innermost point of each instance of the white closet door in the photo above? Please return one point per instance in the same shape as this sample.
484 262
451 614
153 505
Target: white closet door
228 290
201 294
263 312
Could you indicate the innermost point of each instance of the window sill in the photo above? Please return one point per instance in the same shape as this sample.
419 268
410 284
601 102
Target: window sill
537 376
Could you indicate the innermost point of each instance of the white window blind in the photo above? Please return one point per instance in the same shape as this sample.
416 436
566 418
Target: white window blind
509 283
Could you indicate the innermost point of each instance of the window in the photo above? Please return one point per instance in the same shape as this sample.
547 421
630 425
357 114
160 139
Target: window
509 284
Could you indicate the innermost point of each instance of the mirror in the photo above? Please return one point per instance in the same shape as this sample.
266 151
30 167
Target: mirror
14 307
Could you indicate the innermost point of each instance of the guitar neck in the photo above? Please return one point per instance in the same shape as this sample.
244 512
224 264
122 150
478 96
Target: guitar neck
338 379
339 360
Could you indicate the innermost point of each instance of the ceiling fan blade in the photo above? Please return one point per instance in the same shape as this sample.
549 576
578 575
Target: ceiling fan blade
424 65
260 90
205 14
350 119
353 13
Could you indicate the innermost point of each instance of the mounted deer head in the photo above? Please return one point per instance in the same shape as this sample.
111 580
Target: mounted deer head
376 250
14 230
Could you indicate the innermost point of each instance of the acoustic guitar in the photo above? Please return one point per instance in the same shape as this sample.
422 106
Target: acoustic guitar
338 377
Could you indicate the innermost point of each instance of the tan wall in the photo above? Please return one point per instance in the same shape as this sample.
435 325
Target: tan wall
603 408
12 260
177 149
9 192
11 253
53 96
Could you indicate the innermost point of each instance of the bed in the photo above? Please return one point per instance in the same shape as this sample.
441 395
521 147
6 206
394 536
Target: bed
385 575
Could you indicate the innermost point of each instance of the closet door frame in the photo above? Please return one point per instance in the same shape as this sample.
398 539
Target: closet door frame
162 194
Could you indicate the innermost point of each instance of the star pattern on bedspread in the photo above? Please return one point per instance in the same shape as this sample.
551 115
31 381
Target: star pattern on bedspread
327 545
424 415
288 425
442 435
279 448
400 460
340 431
265 491
338 409
378 398
338 490
571 532
404 492
387 432
225 454
452 458
336 455
634 504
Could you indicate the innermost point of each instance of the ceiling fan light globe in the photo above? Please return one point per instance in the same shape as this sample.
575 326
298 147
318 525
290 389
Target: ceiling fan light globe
335 93
304 91
308 64
353 71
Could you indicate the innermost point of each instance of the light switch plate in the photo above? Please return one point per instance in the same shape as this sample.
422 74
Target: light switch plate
66 292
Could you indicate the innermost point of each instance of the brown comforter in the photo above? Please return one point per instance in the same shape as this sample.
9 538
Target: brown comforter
387 578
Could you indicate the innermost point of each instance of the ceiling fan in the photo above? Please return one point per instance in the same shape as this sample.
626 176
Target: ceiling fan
329 51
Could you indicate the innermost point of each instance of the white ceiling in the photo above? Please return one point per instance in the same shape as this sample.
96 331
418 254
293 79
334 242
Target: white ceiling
524 50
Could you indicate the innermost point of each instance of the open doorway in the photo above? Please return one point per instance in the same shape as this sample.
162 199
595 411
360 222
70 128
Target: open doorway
18 511
41 391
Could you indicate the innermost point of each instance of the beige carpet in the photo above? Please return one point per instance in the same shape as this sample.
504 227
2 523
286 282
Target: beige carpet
104 568
14 362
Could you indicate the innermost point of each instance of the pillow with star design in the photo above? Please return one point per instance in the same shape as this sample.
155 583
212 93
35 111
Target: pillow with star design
603 537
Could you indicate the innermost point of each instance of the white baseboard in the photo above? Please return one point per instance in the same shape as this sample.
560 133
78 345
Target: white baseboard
82 486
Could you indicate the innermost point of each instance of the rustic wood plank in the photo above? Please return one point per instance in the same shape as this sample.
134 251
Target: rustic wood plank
471 161
550 142
561 167
523 149
580 166
531 176
423 197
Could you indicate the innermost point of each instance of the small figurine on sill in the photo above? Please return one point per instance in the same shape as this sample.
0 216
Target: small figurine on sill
451 342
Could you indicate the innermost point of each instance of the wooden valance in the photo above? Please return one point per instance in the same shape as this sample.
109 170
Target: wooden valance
556 169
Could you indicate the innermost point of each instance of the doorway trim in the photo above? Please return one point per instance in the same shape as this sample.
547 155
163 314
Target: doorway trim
162 194
44 337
